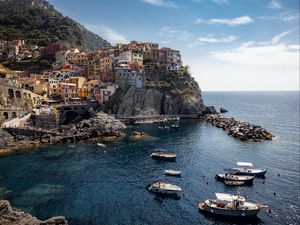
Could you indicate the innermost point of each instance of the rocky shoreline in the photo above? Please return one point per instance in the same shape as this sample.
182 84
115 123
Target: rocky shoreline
100 127
11 216
240 130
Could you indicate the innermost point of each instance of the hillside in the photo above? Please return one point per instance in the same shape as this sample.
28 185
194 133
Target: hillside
40 23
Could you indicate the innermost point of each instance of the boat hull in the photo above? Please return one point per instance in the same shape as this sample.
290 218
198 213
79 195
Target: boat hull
238 178
256 174
230 213
164 158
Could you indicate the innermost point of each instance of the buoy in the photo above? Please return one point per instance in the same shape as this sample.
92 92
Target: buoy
263 182
279 174
206 183
274 193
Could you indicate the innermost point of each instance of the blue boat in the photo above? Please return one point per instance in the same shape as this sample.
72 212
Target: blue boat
247 170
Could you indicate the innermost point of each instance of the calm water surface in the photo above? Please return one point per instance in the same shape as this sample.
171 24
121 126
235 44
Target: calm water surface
92 185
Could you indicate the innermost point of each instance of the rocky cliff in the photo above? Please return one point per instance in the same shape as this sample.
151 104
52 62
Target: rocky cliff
10 216
167 94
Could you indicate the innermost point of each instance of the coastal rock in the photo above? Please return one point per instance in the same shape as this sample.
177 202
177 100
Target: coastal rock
150 101
135 135
6 139
11 216
238 129
208 110
223 110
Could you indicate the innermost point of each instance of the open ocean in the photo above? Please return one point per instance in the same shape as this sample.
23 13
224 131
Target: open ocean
105 186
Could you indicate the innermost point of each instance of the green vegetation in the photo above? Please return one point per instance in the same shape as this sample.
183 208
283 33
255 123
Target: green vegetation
37 22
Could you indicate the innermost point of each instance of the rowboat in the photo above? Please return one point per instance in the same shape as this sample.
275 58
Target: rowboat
163 188
173 173
230 205
101 145
246 169
163 156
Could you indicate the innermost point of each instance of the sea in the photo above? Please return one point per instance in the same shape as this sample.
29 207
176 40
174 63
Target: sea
106 186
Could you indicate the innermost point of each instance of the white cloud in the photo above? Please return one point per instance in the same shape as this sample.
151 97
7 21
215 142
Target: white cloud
213 40
285 17
161 3
181 35
243 20
261 55
108 33
278 37
274 4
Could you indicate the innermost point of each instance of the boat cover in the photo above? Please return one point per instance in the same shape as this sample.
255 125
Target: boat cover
226 197
244 164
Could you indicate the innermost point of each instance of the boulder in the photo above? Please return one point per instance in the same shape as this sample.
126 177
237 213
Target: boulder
11 216
209 110
223 110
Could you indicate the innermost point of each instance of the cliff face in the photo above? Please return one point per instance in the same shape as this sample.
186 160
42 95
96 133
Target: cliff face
173 94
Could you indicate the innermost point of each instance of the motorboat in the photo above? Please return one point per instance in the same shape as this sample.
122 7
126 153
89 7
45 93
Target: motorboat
230 205
163 188
163 156
101 145
231 176
234 183
175 173
246 169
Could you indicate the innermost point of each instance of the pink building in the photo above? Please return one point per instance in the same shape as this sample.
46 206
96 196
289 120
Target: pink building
67 91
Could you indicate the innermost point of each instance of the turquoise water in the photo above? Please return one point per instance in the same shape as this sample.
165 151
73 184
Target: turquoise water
92 185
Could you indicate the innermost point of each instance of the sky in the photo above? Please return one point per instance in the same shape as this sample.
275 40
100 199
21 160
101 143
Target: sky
228 44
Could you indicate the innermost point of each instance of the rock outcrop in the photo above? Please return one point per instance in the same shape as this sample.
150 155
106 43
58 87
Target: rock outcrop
100 126
5 138
164 93
223 110
239 129
11 216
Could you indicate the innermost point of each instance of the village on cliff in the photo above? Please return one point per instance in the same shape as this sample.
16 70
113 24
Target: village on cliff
78 77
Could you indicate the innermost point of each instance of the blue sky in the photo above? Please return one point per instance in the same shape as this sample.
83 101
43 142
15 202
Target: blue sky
229 44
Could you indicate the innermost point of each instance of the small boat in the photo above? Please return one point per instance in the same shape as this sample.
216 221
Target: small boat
230 205
101 145
247 170
163 156
233 177
234 183
175 126
175 173
163 188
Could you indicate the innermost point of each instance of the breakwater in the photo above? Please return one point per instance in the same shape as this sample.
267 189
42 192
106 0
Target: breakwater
241 130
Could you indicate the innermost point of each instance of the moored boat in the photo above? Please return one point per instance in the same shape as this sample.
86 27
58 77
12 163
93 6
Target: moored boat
176 173
234 183
101 145
163 188
163 156
233 177
246 169
230 205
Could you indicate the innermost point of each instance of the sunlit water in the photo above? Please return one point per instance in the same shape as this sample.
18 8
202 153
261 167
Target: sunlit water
93 185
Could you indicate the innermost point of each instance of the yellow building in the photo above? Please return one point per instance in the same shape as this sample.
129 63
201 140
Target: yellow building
79 81
137 57
41 88
90 88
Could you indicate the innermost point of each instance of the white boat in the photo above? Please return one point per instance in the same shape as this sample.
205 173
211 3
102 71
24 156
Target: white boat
101 145
233 177
234 183
230 205
163 188
163 156
246 169
173 173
